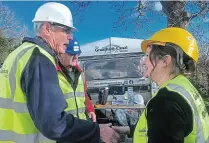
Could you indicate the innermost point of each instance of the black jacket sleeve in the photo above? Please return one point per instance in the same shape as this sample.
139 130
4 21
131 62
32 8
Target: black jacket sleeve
169 118
46 104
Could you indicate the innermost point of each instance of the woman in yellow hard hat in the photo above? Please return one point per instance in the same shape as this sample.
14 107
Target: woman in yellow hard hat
176 114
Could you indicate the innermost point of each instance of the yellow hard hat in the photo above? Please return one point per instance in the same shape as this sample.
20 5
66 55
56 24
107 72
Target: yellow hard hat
178 36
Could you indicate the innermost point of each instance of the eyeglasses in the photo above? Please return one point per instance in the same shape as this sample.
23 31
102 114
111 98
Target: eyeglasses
65 29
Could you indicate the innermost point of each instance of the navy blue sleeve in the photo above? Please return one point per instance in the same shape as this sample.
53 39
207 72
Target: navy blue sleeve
46 104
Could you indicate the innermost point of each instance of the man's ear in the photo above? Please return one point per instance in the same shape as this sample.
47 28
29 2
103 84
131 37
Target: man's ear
46 28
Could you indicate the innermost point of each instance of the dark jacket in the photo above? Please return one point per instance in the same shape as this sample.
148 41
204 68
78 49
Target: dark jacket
169 118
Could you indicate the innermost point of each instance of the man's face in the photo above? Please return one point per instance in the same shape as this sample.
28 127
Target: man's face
58 36
68 60
75 60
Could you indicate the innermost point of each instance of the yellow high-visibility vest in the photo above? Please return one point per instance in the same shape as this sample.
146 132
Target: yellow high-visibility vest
200 132
75 100
16 125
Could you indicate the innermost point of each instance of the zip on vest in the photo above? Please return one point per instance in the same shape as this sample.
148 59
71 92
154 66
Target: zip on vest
74 86
76 104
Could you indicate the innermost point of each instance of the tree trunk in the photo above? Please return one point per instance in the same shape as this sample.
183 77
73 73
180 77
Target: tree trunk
175 13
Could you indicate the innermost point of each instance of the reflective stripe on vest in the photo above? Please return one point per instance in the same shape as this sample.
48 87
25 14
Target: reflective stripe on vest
13 70
16 124
71 95
21 108
17 107
17 138
80 110
199 135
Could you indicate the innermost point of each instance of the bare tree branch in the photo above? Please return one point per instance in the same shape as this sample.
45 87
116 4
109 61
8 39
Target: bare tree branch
204 8
81 7
134 16
10 25
11 31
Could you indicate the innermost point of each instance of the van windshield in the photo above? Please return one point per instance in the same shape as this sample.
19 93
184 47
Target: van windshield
111 69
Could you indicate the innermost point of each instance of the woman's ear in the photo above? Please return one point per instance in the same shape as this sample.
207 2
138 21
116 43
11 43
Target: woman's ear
166 61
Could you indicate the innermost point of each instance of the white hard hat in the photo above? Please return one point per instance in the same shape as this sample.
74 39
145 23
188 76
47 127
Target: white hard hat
54 12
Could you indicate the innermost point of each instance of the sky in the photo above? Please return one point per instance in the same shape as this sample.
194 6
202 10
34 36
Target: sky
96 21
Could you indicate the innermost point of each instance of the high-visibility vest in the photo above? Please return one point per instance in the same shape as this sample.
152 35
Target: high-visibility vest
75 99
200 132
16 125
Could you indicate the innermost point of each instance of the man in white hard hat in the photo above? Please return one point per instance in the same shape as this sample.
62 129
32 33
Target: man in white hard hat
32 97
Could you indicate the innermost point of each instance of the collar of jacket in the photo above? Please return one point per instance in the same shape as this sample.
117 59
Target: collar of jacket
78 68
43 44
58 68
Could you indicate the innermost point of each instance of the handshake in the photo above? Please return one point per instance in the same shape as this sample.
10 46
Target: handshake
110 134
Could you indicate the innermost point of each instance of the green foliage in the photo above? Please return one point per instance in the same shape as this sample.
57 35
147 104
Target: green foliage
6 47
202 90
206 100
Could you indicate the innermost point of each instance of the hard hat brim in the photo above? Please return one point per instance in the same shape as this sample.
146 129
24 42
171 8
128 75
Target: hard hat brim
146 43
74 29
73 53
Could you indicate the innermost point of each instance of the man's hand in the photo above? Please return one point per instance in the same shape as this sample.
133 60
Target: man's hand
121 129
92 115
107 134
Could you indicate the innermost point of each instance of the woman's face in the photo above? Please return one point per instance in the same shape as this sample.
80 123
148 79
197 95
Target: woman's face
66 60
148 67
154 69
